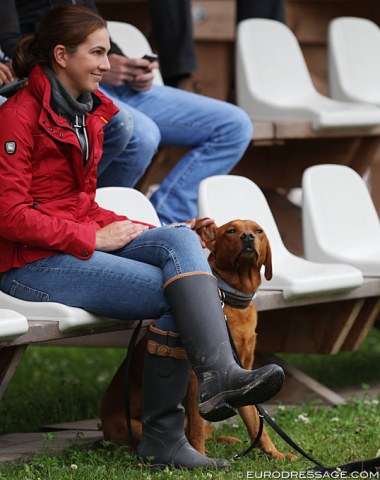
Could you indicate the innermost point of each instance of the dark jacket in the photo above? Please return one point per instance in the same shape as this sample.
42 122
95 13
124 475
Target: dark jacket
19 17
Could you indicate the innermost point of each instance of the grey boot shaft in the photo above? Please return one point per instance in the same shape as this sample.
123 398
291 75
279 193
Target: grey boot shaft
165 381
223 384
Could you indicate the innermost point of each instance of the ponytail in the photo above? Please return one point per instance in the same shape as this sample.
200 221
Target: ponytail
25 56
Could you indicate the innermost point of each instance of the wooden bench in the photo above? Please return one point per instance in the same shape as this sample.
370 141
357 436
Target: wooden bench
325 324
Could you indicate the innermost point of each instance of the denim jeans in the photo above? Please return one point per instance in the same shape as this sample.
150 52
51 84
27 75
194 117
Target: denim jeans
117 133
216 132
124 284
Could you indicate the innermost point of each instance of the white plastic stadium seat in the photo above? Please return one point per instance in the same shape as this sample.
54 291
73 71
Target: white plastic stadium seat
340 222
69 318
123 201
12 324
274 84
228 197
354 60
132 42
129 202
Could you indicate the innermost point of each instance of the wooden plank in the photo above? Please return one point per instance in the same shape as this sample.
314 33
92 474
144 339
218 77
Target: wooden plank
298 129
214 74
20 447
93 424
9 360
44 331
48 331
300 387
362 325
273 300
375 183
263 131
309 18
214 21
314 328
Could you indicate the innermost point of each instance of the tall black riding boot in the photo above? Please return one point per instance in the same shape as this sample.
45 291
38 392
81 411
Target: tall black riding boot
165 379
223 384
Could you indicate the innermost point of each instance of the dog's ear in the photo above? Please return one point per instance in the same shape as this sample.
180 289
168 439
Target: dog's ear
207 233
268 262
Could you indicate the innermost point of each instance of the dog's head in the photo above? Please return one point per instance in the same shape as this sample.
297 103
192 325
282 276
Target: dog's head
238 250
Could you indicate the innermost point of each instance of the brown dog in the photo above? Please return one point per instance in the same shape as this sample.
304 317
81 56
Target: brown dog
238 251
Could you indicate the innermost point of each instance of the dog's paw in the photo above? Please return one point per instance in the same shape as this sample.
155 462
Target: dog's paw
276 455
226 439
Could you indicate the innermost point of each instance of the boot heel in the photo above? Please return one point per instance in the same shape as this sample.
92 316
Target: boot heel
216 413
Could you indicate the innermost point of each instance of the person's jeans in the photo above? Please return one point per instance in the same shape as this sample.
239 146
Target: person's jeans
117 133
124 284
216 132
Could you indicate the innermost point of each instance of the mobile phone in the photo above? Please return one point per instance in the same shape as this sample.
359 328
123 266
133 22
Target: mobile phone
151 57
12 87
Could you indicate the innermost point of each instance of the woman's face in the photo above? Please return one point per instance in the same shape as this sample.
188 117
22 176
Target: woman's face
82 70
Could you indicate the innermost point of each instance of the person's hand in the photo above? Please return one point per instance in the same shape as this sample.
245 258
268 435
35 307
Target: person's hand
6 74
117 235
197 224
137 72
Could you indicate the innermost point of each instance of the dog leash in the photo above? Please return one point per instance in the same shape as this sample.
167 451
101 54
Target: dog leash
263 415
369 466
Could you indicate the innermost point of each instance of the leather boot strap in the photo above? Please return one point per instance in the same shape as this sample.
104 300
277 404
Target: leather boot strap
165 351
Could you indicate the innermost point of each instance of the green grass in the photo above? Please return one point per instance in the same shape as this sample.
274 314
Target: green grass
63 384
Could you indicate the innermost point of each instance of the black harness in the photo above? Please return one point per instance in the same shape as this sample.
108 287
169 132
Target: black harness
231 296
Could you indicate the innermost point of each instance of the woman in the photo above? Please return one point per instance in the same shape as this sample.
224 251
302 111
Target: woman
58 245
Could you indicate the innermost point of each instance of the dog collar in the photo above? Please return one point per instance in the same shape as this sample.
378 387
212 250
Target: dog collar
231 296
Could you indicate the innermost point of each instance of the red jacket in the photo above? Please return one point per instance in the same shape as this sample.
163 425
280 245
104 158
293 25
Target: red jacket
46 194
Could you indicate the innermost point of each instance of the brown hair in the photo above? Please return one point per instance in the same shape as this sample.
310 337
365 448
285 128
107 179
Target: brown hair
68 25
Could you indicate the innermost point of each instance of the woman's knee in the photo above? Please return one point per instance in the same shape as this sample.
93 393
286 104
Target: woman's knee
186 246
181 235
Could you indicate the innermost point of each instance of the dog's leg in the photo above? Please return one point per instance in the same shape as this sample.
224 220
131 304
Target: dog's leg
250 415
112 411
195 425
251 420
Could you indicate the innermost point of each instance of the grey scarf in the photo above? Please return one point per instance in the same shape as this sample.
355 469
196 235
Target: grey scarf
74 110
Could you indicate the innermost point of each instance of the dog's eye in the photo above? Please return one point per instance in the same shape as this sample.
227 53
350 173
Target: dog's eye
231 230
258 231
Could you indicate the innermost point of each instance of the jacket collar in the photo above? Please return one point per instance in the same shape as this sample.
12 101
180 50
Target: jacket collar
40 87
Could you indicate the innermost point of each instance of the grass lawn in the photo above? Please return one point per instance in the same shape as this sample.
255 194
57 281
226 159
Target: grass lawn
55 384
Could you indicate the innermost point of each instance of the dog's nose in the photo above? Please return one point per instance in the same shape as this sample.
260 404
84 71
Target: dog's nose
247 237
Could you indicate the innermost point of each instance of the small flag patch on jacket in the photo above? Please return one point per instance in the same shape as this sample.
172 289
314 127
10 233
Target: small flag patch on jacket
10 147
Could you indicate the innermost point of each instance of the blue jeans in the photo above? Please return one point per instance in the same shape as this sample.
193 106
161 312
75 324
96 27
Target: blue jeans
216 132
125 284
117 133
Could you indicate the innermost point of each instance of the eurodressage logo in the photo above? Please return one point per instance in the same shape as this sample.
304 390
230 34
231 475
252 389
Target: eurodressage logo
10 147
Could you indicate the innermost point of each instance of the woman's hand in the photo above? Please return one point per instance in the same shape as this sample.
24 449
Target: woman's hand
197 224
117 235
